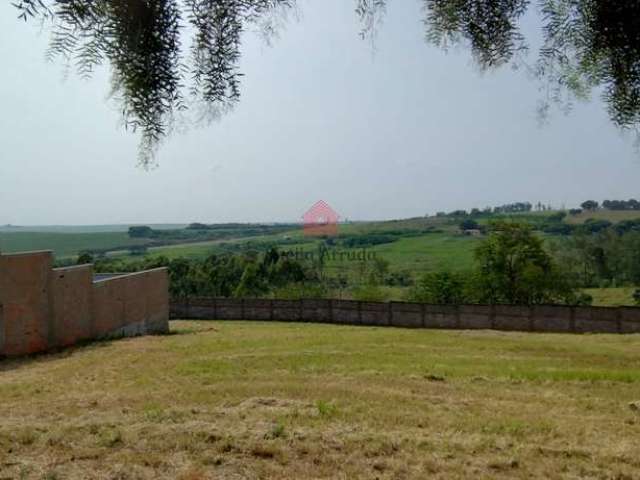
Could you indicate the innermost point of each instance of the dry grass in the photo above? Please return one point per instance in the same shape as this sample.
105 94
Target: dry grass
259 400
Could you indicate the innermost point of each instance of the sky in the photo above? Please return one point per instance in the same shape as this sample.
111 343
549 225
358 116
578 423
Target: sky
398 131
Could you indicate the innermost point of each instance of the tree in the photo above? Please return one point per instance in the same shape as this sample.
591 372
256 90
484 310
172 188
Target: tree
84 258
589 205
379 269
588 44
514 268
140 232
252 284
440 288
469 224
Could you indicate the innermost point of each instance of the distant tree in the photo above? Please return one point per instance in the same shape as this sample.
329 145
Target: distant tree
631 204
558 228
197 226
575 211
593 225
514 268
458 213
140 232
517 207
589 205
469 224
84 258
557 217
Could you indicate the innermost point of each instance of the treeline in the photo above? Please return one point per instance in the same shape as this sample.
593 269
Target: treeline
200 230
525 207
376 237
227 275
512 267
591 226
608 258
631 204
516 207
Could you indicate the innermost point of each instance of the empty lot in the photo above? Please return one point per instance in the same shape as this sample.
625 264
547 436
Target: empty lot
278 400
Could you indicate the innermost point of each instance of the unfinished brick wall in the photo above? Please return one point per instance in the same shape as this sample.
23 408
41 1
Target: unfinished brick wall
43 307
539 318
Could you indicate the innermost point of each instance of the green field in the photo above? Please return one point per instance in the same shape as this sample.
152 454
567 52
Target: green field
612 297
277 400
64 244
84 228
420 245
614 216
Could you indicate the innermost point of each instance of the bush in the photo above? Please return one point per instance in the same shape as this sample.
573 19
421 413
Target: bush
469 224
593 225
558 229
441 288
557 217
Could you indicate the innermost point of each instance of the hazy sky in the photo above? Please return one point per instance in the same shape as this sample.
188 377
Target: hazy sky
406 131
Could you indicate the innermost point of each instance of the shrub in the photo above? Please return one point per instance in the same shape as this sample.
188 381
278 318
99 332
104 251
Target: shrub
440 288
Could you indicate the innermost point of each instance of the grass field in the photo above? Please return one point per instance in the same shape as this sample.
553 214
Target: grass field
64 244
612 297
277 400
85 228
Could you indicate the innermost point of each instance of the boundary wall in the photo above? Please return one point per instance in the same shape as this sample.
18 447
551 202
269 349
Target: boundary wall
43 308
537 318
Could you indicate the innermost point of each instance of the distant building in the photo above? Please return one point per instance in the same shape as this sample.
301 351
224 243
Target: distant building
473 232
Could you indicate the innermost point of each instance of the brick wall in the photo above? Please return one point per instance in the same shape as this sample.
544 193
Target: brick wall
539 318
43 308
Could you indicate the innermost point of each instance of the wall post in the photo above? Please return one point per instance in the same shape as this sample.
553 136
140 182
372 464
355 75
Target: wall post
572 319
492 316
531 319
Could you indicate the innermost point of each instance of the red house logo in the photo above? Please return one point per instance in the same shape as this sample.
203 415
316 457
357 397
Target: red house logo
320 220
